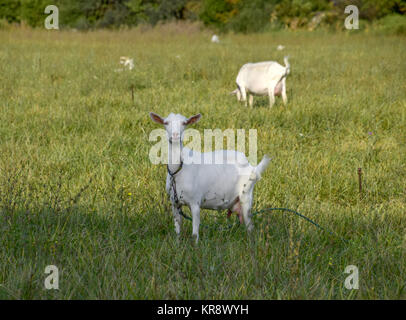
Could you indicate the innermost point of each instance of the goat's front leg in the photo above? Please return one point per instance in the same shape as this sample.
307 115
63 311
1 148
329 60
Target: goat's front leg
243 95
238 94
271 93
177 218
196 221
251 100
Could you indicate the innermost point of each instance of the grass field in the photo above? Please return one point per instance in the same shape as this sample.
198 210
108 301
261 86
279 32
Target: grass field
77 189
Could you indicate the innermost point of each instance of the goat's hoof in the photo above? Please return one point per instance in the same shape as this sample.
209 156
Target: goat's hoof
195 239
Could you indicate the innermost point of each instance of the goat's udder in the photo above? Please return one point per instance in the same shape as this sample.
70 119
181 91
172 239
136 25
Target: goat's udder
237 209
278 89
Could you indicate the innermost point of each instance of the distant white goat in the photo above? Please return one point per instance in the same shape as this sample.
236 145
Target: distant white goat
226 183
215 39
127 62
280 47
262 78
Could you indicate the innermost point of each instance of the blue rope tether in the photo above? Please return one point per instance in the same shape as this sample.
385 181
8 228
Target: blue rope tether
278 209
300 215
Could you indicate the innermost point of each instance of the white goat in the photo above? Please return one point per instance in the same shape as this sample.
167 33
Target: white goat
127 62
215 38
262 78
198 184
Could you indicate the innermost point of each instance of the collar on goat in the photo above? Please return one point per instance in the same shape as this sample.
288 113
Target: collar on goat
173 185
177 170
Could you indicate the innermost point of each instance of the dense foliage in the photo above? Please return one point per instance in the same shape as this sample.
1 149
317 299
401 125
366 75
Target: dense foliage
236 15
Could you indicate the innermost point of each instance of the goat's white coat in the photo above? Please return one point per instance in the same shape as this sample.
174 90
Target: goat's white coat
262 78
228 185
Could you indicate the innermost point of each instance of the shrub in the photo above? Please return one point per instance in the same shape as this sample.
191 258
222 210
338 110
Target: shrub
218 13
253 16
392 24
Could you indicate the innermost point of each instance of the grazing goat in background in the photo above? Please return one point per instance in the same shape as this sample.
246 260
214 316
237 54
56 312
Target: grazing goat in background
215 38
226 181
262 78
127 62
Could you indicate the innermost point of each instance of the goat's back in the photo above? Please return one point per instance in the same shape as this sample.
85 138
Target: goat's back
256 77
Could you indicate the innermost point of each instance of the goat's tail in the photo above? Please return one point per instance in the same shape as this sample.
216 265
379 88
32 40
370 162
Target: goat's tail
260 168
287 64
255 175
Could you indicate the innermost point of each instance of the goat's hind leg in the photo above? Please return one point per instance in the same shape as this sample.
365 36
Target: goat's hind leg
246 213
284 96
271 93
196 221
246 201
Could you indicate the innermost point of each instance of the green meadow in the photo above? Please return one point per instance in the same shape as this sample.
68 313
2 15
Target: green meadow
78 191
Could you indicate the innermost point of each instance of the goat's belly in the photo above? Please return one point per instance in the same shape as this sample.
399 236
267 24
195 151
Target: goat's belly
264 91
219 201
217 204
258 91
209 200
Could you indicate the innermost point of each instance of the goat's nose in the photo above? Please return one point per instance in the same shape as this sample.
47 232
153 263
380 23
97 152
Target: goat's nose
175 135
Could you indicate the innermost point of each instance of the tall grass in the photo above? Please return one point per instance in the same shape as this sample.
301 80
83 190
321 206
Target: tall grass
77 189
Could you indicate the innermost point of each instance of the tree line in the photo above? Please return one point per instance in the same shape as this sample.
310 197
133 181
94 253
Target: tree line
224 15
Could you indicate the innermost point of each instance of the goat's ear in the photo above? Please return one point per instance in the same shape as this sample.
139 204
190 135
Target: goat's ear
192 119
156 118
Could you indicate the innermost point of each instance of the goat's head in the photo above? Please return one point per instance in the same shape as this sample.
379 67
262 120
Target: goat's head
237 93
174 124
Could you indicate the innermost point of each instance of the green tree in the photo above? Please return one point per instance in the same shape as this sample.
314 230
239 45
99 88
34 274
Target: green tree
218 12
253 16
10 10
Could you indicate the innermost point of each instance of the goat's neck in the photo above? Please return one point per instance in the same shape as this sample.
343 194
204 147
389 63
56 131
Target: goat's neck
174 156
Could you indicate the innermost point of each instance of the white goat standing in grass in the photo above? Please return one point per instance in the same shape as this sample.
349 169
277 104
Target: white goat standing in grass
215 38
217 180
127 62
262 78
